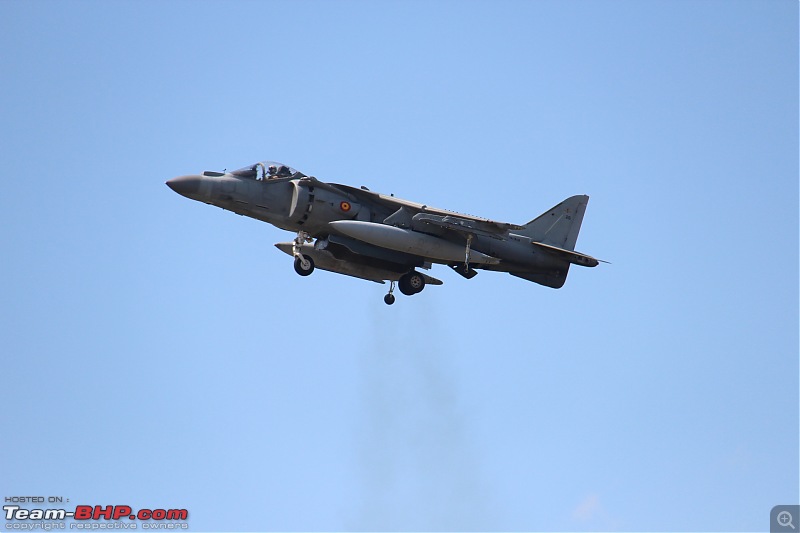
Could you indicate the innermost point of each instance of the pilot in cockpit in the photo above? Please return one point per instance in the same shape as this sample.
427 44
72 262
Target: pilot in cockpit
272 172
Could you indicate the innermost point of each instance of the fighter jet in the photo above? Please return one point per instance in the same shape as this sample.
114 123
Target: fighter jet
368 235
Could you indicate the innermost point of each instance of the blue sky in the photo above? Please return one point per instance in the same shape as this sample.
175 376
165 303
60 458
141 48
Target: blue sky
158 352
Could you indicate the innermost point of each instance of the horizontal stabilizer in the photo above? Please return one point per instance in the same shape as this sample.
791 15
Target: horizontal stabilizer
567 255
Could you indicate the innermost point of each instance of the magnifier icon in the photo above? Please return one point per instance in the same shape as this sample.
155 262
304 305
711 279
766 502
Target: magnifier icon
784 519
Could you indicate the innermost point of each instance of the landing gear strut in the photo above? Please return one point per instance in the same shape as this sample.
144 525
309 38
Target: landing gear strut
389 298
303 265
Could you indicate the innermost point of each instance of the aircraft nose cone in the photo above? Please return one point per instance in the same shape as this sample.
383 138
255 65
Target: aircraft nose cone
185 185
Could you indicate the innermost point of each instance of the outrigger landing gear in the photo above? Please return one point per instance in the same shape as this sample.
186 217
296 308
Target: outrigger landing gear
303 265
389 298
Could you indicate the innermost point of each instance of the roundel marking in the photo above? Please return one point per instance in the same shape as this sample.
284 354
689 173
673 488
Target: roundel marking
345 206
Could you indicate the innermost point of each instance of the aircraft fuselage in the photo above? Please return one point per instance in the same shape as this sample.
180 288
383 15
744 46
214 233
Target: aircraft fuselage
364 234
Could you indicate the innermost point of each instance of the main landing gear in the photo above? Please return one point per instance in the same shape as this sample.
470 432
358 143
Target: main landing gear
409 284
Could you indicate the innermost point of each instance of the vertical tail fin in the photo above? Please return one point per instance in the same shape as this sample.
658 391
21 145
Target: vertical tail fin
559 226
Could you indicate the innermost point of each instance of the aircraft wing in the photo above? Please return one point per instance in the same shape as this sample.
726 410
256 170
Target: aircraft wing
441 217
465 226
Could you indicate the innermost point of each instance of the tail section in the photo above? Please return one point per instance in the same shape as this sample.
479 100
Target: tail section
559 226
553 278
554 235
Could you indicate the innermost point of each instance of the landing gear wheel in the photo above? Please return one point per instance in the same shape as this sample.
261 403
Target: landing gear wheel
389 298
303 265
411 283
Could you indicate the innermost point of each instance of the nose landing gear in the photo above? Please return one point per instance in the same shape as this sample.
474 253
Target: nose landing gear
303 264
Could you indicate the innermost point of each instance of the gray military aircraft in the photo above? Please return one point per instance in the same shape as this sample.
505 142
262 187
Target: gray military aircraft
364 234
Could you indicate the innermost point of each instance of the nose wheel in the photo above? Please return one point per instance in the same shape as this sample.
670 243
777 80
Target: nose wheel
303 264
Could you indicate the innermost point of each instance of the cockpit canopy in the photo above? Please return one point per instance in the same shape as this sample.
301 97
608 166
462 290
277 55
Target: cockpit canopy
265 170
